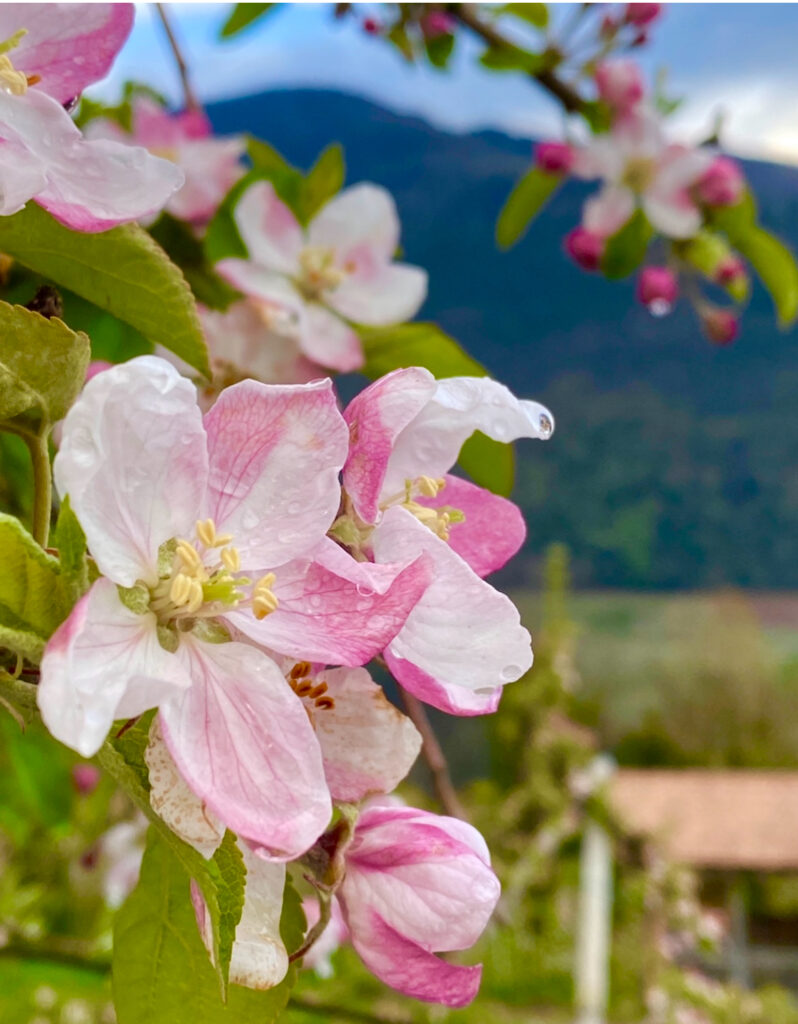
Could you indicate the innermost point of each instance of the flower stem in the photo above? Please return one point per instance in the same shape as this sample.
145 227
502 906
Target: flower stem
42 484
325 910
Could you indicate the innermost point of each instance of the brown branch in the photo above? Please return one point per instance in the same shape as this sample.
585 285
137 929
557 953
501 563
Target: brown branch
189 96
434 756
569 97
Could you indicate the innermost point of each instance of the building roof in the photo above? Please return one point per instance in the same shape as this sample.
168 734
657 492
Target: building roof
729 819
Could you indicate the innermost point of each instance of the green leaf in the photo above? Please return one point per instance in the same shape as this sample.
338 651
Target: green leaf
489 463
527 199
161 973
626 249
706 252
293 923
513 58
401 40
773 262
122 271
42 367
323 180
242 16
70 540
183 248
220 879
33 596
439 49
534 14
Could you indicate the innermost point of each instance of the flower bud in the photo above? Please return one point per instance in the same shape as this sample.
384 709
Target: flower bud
437 23
371 26
720 325
554 157
620 83
585 248
85 778
722 184
657 289
730 270
642 15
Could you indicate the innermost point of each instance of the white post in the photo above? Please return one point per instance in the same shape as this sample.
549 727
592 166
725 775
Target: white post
595 916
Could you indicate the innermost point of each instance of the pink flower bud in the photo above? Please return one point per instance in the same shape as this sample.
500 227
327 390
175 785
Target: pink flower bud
730 270
554 157
85 778
371 26
437 23
657 289
642 14
620 83
720 325
722 184
585 248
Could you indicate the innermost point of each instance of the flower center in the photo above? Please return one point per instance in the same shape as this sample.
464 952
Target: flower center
439 520
319 272
13 81
198 580
639 173
313 694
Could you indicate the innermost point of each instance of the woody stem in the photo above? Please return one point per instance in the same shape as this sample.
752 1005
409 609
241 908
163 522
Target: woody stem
435 757
190 97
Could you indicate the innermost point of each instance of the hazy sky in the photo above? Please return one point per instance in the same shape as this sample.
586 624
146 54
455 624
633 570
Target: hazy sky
738 58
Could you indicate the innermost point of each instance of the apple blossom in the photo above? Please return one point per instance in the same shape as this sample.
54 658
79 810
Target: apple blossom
52 52
554 157
620 83
463 640
336 271
211 165
638 165
722 184
161 497
417 884
657 289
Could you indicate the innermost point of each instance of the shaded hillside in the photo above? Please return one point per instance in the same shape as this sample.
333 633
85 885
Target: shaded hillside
672 461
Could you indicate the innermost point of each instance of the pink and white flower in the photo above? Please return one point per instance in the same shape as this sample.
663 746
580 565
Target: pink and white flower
338 270
211 165
55 51
162 495
620 84
640 167
463 640
417 884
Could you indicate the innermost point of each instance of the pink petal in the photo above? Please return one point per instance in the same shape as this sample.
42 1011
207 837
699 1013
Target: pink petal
334 610
268 229
494 529
329 341
361 217
68 46
133 460
454 700
376 417
608 211
155 126
368 745
673 214
211 167
22 174
407 967
390 295
275 452
102 663
261 283
462 633
244 744
430 444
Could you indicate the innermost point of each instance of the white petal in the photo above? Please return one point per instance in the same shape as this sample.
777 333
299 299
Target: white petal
391 295
361 216
268 229
607 212
133 460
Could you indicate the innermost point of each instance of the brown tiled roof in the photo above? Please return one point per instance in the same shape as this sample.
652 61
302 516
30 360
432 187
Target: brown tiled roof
713 819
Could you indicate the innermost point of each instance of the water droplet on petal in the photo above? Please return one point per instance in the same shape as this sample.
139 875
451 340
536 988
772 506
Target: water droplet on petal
659 307
545 426
510 673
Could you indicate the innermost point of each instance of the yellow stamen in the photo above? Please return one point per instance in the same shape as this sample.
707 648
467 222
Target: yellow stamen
231 559
180 590
206 531
189 555
302 668
13 81
429 486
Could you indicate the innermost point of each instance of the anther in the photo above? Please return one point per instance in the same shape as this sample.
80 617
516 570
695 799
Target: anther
317 691
429 486
300 670
324 703
180 589
231 559
304 687
264 604
189 554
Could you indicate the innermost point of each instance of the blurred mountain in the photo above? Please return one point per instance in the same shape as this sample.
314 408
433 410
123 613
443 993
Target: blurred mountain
673 462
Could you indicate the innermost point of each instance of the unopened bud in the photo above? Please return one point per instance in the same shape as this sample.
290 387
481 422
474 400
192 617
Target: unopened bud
642 15
620 83
585 248
720 325
554 157
657 289
437 23
722 184
85 778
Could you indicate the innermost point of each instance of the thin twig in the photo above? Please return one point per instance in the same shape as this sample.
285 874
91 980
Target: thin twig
190 97
569 97
434 756
69 952
344 1012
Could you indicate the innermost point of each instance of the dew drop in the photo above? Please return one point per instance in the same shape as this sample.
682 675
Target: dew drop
659 307
510 673
545 426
